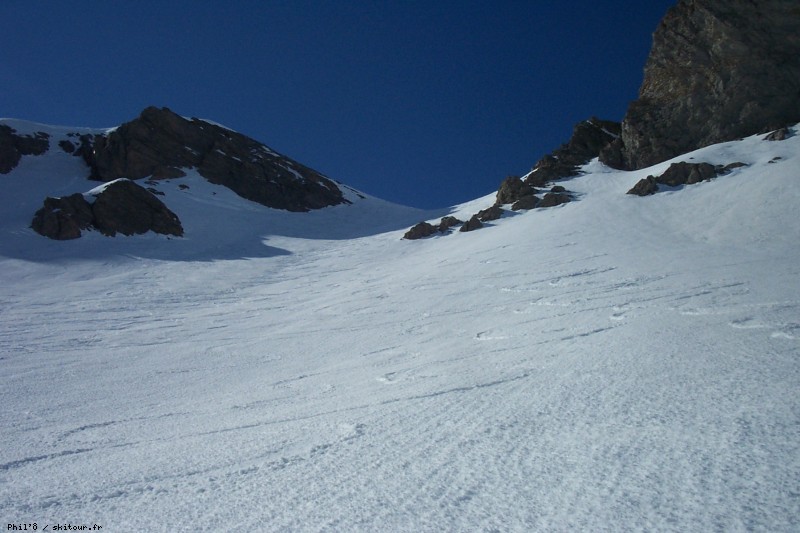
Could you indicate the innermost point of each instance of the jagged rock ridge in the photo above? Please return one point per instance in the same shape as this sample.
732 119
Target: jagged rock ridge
159 143
588 139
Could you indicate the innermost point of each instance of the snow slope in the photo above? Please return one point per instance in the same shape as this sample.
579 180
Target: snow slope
616 363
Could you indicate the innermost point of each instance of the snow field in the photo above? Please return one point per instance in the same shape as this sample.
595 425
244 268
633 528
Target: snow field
616 363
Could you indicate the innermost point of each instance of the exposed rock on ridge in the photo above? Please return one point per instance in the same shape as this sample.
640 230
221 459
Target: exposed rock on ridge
13 146
159 143
588 139
717 71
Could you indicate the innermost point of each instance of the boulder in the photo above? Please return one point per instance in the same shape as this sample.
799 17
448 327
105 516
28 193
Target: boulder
472 224
731 166
781 134
526 202
491 213
63 218
448 222
645 187
553 199
512 189
420 231
125 207
687 174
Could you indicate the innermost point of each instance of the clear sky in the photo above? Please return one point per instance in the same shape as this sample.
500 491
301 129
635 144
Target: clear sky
425 103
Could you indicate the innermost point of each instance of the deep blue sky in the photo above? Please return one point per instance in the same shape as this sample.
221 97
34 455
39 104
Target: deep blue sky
425 103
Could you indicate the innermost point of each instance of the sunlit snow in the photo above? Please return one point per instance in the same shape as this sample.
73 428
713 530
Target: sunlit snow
613 364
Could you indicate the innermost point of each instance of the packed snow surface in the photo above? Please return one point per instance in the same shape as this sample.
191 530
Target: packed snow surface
613 364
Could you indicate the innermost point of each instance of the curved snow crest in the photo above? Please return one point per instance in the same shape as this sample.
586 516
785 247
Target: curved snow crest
100 188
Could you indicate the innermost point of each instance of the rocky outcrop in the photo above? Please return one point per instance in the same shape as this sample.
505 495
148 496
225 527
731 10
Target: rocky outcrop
13 146
681 173
588 140
63 218
159 143
717 71
426 229
122 207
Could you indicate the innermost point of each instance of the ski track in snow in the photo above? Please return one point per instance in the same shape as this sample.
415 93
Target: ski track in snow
579 368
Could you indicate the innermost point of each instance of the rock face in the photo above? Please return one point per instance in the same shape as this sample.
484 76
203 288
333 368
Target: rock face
63 218
159 143
122 207
717 71
14 146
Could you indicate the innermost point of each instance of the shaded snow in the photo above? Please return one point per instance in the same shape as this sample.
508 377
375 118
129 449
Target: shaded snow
616 363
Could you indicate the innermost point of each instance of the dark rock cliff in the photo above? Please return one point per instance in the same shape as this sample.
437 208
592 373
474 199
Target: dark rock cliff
717 71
